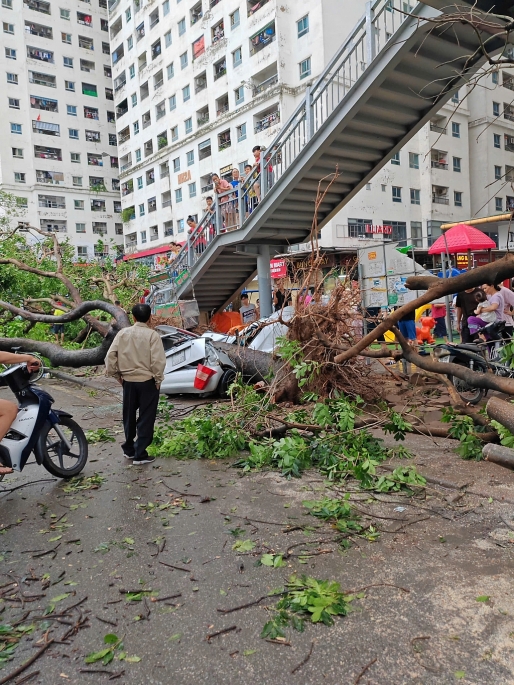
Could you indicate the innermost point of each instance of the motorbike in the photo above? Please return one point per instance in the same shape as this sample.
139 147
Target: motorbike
481 357
57 441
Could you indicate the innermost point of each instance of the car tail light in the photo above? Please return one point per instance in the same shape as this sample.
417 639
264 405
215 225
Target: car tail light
203 374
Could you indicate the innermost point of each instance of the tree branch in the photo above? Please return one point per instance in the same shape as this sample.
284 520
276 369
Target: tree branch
58 355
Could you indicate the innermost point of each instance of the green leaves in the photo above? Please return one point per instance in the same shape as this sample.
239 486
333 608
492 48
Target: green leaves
397 425
463 429
243 545
272 560
84 483
402 477
99 435
483 598
115 648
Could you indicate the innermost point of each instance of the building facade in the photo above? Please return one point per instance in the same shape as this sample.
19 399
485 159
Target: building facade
59 154
197 86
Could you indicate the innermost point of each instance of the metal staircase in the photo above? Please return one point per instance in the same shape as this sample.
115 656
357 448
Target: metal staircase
389 77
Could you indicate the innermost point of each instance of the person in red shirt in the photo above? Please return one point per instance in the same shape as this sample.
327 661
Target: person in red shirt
439 315
221 186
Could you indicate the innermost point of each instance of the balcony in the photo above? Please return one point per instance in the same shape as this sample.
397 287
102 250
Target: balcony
97 184
144 91
140 31
508 113
222 105
46 128
213 3
50 177
120 82
267 121
91 113
54 226
202 116
40 55
152 205
509 143
254 7
200 82
264 37
439 159
156 49
268 83
160 110
162 140
147 119
148 148
98 205
38 6
220 69
166 199
218 32
86 65
116 28
89 89
122 109
207 188
99 227
94 160
196 13
86 43
118 54
38 30
440 200
51 202
92 136
508 81
109 95
127 188
43 104
437 129
42 79
224 141
154 233
124 135
42 152
84 19
125 162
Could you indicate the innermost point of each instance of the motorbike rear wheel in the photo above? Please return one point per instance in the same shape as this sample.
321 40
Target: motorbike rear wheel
57 459
468 393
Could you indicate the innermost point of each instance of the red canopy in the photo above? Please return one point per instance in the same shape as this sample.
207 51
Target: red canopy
462 238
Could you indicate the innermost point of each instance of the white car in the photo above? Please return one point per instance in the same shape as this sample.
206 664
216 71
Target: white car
193 365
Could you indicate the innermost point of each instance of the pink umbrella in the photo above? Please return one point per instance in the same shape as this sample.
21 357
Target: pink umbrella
462 238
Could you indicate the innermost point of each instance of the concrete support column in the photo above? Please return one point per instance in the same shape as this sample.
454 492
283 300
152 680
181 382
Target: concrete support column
264 278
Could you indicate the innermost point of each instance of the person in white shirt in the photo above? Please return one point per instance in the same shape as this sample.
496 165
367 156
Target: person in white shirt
508 297
248 311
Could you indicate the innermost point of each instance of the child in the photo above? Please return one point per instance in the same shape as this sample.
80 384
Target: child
482 301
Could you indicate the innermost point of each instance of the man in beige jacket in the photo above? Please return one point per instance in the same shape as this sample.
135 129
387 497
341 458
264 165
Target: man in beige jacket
136 358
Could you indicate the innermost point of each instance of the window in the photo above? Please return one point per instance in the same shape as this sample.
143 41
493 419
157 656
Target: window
75 157
77 181
174 133
168 228
496 109
142 213
413 160
497 173
192 189
73 133
78 204
183 60
204 149
156 49
180 225
235 19
190 157
12 78
89 89
186 93
152 204
65 14
176 164
10 53
188 123
80 228
138 155
139 182
239 95
132 71
455 97
170 71
16 128
397 194
68 62
181 27
130 43
128 15
70 85
7 4
19 177
14 103
497 140
66 38
172 101
71 110
167 39
178 195
495 78
133 99
455 130
237 57
457 199
8 28
136 127
143 233
415 196
395 159
17 152
241 132
457 164
305 68
416 232
86 65
303 26
82 251
498 204
165 8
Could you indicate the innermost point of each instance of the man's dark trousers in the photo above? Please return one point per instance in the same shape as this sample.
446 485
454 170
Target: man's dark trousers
145 397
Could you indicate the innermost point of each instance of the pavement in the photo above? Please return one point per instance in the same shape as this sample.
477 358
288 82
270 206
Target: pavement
438 604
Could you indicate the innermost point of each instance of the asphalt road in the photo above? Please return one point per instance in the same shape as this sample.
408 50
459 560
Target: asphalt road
418 623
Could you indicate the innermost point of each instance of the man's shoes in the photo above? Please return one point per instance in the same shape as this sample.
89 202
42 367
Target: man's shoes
143 460
128 456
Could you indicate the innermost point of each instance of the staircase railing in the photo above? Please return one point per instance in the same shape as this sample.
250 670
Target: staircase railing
233 208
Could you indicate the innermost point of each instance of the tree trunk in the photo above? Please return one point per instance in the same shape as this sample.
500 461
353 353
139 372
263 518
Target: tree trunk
501 411
503 456
57 355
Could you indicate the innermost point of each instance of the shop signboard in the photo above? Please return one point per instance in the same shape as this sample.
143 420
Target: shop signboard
278 268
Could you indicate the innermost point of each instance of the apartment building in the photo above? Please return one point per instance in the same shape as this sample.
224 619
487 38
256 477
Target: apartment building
59 152
199 83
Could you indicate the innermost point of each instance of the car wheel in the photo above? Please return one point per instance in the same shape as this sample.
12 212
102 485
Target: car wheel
228 377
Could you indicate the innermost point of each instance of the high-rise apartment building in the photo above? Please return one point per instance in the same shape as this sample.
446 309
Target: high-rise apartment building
197 85
59 149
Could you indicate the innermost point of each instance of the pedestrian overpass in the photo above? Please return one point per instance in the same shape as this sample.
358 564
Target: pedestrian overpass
389 77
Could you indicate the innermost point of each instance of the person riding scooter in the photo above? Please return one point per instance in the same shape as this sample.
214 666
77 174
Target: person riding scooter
9 410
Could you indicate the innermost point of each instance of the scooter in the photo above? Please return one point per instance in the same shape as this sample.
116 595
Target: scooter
474 357
58 442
